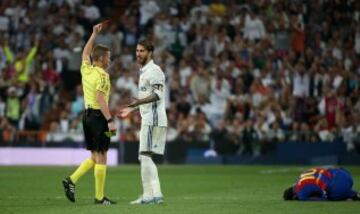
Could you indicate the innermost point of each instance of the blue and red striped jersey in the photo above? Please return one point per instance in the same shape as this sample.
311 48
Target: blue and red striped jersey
312 184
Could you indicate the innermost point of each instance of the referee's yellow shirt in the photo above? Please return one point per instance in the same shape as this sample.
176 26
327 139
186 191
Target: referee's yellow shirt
94 79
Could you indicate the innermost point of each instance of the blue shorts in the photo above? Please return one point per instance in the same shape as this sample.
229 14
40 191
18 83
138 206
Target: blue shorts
340 186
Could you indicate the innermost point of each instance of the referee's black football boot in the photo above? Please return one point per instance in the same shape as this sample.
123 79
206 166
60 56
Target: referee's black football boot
104 201
69 188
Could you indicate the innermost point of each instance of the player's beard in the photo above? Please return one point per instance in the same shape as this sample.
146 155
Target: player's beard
143 61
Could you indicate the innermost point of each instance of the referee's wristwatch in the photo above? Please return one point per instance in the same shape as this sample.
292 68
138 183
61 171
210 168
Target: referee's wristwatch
110 120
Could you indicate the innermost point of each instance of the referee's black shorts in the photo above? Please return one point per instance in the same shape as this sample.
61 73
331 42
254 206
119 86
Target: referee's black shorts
95 126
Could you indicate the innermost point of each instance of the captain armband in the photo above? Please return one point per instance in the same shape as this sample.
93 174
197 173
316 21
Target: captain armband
158 89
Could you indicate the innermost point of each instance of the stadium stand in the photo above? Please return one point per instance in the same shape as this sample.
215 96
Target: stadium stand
242 76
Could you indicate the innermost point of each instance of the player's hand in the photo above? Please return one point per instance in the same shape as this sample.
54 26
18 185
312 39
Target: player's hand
97 28
124 112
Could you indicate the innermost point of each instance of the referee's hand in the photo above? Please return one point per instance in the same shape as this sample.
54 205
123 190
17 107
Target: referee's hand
112 126
97 28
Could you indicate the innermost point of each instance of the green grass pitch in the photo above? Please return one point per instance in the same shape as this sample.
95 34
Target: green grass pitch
187 189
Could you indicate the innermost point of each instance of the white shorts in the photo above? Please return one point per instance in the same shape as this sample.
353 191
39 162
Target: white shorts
152 139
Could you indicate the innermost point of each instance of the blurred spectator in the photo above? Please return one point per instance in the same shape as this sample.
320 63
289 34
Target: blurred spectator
127 82
21 61
183 107
64 122
7 131
4 22
298 38
110 38
13 107
32 113
148 9
2 108
200 84
90 10
249 139
276 134
254 29
2 59
77 104
199 130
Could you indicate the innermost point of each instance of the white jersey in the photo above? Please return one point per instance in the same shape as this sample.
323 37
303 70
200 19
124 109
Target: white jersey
152 80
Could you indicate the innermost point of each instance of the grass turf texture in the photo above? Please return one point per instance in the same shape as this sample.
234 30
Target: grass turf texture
187 189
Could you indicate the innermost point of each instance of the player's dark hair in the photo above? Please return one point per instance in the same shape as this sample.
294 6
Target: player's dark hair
99 51
147 44
289 194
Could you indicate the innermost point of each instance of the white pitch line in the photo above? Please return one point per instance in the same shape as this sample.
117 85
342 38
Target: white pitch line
281 170
51 197
292 169
210 197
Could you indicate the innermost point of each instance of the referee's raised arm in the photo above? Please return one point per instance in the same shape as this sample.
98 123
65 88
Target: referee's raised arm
90 43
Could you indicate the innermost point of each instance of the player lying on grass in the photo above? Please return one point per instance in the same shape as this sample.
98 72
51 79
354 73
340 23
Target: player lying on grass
319 184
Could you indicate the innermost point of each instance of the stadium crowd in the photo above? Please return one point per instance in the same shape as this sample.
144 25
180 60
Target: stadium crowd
241 74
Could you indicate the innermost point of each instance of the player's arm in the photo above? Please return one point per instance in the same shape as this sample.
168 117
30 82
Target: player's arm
311 193
9 55
134 105
157 83
124 112
157 94
149 99
32 53
90 43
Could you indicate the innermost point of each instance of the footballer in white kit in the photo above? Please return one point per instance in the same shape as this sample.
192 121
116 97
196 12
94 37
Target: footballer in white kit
151 103
153 115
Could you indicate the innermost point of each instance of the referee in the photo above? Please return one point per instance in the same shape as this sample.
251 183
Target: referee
97 120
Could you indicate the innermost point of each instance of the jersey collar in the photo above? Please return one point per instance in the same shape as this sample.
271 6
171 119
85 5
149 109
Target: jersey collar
145 67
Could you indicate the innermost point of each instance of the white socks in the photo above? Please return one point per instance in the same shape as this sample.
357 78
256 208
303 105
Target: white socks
149 177
155 182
